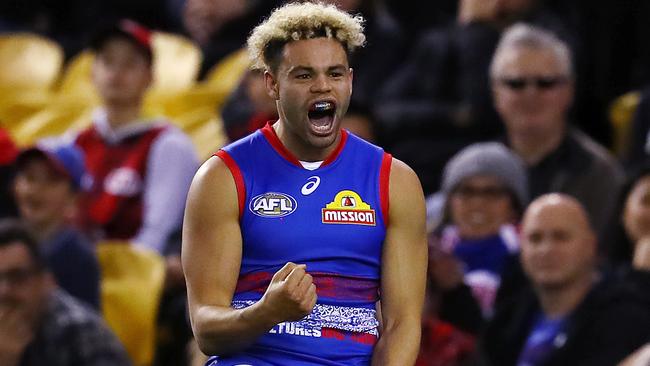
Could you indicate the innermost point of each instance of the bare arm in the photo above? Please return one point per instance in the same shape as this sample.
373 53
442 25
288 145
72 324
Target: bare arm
403 270
211 255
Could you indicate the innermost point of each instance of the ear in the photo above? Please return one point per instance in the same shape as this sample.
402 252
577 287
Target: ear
271 85
351 78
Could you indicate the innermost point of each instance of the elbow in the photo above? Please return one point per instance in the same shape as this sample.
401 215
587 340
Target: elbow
207 346
205 340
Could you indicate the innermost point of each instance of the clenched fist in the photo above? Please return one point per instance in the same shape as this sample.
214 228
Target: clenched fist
291 295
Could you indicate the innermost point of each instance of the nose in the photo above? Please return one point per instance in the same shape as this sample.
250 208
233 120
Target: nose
321 84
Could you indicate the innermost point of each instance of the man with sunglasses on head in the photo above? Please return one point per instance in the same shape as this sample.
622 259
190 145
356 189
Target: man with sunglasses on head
532 82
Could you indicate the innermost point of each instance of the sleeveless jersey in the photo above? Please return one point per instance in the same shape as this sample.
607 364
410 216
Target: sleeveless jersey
113 201
333 219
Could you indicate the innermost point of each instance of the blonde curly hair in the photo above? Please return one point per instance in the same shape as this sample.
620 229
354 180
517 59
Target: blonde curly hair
297 21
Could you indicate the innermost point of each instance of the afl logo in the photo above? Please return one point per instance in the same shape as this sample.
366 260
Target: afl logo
273 204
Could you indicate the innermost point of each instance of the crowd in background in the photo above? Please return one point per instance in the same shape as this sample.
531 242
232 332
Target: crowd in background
496 104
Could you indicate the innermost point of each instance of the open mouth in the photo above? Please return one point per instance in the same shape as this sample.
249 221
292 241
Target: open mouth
321 116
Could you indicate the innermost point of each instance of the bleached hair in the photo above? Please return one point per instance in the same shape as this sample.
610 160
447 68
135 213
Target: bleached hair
298 21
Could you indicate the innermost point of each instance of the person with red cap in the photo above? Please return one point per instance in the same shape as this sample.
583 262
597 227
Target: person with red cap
139 170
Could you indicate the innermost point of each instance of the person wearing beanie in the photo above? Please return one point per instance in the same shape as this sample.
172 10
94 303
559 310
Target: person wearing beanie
46 189
484 190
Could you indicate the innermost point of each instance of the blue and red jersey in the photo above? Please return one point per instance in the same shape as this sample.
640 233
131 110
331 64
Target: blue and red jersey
333 219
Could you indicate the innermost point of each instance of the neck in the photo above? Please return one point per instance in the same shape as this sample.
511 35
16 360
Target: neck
122 115
532 148
43 231
560 301
302 150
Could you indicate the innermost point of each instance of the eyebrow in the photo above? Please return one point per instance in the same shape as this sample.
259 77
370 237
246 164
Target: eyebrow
311 69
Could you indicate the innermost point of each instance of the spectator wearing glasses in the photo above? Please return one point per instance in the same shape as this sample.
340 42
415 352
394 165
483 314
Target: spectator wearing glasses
439 101
532 82
486 191
39 324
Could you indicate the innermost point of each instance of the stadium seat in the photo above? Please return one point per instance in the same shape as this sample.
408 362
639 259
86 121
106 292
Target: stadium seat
621 112
177 61
224 77
29 62
131 288
29 67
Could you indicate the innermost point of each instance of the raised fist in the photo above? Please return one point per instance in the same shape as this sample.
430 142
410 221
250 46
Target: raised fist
291 295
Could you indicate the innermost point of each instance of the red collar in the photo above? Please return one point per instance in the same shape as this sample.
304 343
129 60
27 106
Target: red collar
274 140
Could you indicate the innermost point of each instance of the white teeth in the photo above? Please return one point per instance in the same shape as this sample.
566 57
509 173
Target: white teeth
322 106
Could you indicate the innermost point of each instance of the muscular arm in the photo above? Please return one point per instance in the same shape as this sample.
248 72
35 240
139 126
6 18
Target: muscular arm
211 255
403 270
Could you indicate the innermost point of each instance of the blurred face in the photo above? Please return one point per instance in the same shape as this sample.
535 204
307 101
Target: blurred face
23 288
479 206
121 73
359 125
557 246
256 92
532 91
636 214
511 8
42 193
312 89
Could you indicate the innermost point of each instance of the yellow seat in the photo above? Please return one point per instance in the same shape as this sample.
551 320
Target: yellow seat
77 78
53 120
29 66
621 112
177 61
224 77
28 62
131 288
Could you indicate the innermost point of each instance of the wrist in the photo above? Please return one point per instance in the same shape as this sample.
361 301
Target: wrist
261 315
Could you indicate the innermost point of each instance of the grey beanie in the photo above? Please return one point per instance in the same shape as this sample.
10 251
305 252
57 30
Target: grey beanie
487 158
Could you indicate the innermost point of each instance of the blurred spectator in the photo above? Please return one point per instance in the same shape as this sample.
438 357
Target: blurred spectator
485 191
628 242
139 171
249 107
416 16
442 343
47 183
574 315
40 325
533 85
8 153
221 27
439 101
360 120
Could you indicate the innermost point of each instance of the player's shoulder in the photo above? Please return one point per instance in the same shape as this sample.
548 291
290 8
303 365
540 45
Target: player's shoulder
402 172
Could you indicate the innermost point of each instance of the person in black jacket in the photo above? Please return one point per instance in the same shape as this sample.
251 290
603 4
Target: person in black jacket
572 314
